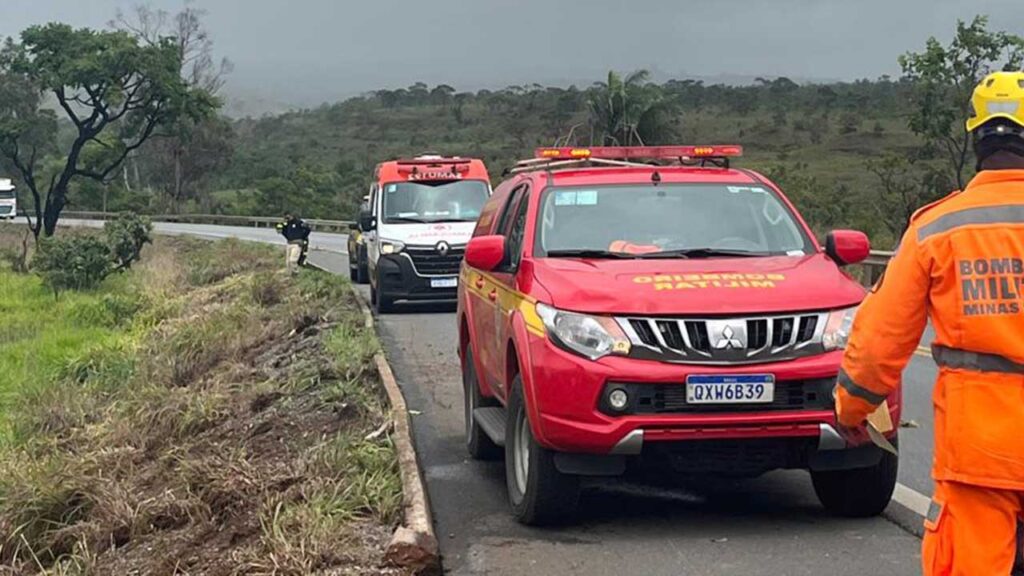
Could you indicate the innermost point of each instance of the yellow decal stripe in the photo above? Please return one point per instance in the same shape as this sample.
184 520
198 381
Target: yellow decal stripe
508 299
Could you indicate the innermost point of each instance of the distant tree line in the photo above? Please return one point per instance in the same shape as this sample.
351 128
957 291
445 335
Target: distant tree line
862 154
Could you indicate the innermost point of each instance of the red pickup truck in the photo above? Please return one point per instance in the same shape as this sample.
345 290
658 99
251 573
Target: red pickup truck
639 308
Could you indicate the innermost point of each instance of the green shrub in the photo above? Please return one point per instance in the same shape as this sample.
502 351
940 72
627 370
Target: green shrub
126 235
82 261
77 262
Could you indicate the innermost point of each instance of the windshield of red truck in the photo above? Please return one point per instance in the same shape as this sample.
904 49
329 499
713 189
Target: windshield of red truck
443 201
684 219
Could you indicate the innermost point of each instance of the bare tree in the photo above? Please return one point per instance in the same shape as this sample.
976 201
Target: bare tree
198 66
199 69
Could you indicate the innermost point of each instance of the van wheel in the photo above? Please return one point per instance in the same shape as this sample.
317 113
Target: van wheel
478 443
538 492
381 303
858 493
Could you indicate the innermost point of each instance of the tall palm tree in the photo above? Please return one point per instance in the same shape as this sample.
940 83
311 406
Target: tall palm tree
628 111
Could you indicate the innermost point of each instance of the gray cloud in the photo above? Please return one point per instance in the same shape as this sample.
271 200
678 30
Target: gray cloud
308 51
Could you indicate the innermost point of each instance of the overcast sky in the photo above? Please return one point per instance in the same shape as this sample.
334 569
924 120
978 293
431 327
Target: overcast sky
303 52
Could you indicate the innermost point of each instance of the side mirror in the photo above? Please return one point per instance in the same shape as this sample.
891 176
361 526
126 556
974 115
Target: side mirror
485 253
847 246
366 221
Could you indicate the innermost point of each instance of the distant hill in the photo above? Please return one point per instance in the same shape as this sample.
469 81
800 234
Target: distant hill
255 99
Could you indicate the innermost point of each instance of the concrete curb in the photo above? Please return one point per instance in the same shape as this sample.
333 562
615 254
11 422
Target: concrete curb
414 545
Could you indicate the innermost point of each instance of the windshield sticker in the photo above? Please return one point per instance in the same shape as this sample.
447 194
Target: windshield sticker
750 189
392 187
696 281
586 198
573 198
565 198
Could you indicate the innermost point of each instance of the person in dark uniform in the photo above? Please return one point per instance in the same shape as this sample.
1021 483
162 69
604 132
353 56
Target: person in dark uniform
296 233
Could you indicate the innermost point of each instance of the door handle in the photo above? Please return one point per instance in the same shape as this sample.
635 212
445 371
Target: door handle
493 295
479 283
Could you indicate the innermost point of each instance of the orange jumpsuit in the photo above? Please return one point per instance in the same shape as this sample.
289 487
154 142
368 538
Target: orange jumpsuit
961 263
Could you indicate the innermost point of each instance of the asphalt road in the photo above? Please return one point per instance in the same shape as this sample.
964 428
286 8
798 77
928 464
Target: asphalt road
771 525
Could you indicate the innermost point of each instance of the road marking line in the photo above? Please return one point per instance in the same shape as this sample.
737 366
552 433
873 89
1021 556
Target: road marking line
923 351
911 499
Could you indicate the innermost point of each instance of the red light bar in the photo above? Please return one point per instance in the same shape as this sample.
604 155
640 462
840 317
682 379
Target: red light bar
635 152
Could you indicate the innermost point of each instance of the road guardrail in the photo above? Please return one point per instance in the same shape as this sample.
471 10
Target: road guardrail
871 269
317 224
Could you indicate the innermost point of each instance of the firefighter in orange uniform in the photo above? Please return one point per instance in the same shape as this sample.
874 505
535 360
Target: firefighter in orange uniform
960 263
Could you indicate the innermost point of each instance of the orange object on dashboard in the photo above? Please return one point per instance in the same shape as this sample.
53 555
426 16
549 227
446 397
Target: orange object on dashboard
628 248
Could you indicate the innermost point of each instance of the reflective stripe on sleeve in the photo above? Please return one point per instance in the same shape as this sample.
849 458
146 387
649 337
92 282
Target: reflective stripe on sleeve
978 361
1005 214
857 390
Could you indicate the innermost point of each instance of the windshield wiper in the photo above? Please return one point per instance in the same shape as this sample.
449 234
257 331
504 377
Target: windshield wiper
448 220
588 254
705 253
394 219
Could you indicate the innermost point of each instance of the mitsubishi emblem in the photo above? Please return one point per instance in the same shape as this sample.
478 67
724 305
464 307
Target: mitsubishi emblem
728 340
442 248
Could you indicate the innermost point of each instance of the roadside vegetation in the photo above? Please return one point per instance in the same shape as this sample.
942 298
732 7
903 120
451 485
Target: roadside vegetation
200 413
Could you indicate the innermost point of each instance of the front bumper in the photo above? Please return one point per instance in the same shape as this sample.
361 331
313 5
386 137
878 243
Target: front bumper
397 279
567 393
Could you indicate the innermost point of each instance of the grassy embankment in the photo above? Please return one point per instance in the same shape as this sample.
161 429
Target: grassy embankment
202 414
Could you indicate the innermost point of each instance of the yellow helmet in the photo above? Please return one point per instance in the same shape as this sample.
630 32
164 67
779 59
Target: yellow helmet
1000 95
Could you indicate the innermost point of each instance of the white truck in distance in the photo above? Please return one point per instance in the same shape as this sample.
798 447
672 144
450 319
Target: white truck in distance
8 200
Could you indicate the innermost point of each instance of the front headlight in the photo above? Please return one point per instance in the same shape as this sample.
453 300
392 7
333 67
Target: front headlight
837 329
391 246
591 336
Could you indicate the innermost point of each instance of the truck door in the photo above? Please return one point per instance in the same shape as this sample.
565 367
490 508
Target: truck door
370 236
498 294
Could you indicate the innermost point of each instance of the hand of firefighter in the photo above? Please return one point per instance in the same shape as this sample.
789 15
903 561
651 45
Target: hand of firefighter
854 434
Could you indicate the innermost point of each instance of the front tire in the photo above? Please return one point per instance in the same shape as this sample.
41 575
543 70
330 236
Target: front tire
858 493
538 493
478 443
381 304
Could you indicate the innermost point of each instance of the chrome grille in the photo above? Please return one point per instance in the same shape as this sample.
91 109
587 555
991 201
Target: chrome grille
740 340
429 262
